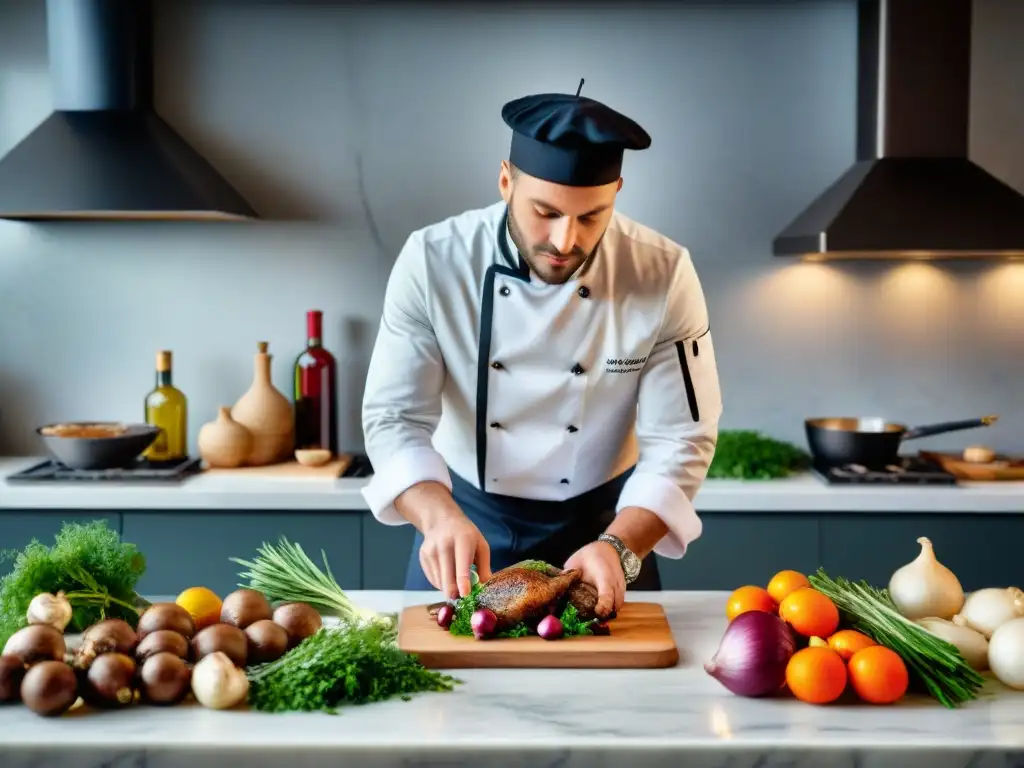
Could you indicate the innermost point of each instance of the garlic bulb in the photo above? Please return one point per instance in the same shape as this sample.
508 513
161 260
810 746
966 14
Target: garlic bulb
52 610
987 609
925 588
217 683
972 644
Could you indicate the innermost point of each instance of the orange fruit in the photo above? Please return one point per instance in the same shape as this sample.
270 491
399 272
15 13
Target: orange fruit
816 675
749 598
878 675
784 582
847 642
809 612
202 603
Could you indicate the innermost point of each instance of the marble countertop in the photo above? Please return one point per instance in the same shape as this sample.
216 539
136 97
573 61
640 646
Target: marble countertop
800 493
545 718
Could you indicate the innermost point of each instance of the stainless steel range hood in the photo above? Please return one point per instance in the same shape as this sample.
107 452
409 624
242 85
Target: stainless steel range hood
912 192
105 154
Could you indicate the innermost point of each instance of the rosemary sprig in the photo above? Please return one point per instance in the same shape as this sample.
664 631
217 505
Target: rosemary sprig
932 662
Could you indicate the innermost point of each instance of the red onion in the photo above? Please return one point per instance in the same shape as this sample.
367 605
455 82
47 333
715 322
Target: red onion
550 628
483 622
752 657
445 615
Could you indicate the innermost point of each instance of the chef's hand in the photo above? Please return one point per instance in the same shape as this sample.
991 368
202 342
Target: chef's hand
451 542
601 567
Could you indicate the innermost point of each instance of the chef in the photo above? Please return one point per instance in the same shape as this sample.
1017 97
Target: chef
543 384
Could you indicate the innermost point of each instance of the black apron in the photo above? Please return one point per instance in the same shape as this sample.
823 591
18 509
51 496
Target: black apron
525 529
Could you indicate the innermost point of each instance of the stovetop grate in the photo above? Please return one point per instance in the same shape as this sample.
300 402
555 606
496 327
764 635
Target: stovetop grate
54 471
908 470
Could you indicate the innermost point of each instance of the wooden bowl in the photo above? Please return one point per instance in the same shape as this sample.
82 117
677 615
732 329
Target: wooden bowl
312 457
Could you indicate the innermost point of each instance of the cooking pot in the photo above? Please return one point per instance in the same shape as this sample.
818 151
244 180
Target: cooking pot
871 441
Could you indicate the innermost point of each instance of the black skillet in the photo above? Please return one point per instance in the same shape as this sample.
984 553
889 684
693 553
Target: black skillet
871 442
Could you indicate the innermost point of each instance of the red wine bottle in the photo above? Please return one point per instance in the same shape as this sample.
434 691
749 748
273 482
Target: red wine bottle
316 401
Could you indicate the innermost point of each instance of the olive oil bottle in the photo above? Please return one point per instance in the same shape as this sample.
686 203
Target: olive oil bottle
167 408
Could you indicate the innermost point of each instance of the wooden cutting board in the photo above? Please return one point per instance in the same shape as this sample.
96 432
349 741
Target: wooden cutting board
640 639
1004 468
288 470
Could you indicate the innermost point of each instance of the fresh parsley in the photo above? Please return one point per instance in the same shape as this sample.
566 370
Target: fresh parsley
352 664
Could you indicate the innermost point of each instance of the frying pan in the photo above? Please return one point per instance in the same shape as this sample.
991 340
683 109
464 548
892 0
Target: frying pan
873 441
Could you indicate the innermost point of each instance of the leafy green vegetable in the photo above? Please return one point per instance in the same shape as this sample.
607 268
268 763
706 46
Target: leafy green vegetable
89 563
461 624
286 573
749 455
353 664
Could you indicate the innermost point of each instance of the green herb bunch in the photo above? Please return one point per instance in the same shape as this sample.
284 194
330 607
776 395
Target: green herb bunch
88 562
935 665
286 573
748 455
356 664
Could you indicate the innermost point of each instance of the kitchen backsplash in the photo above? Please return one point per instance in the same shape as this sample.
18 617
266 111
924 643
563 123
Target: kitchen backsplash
358 125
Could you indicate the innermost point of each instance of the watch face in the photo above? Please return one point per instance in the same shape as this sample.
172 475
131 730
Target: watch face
631 565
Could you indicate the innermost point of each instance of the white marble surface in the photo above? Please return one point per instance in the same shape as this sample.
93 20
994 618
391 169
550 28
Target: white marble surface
801 493
671 717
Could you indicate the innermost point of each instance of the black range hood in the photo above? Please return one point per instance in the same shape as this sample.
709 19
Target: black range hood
105 154
912 192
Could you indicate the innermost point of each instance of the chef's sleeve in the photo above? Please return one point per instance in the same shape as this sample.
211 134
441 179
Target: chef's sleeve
679 405
402 398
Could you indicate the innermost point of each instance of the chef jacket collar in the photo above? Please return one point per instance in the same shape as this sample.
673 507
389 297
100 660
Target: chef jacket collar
508 246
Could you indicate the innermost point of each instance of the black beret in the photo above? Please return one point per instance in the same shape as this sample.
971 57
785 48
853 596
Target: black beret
569 139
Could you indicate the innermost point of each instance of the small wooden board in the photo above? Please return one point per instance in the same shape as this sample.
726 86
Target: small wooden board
640 639
1003 468
288 470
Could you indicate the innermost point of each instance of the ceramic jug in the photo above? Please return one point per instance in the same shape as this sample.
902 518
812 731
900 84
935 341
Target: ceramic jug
267 414
224 442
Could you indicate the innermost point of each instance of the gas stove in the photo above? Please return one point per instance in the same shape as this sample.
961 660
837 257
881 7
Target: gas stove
908 470
142 470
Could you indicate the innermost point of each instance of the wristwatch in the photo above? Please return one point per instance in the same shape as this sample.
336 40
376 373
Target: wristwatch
630 562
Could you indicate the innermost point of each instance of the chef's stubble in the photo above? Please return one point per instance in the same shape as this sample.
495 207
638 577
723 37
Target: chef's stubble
534 253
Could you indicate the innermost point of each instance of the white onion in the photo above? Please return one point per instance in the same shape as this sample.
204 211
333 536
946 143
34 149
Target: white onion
972 644
926 588
1006 653
987 609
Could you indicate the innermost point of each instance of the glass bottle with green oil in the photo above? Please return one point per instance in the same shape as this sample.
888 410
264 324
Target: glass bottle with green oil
167 408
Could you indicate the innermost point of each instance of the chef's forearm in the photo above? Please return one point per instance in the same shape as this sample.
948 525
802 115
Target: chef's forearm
425 503
639 529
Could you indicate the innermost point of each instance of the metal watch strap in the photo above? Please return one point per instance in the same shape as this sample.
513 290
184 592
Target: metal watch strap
621 548
615 541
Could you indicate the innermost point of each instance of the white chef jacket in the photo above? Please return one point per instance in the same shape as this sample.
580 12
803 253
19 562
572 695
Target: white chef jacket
543 391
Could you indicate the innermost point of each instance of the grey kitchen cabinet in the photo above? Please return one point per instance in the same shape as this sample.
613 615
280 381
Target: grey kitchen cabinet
19 527
982 550
386 550
743 548
190 549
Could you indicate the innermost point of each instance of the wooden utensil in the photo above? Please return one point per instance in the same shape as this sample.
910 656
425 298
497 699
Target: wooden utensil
288 470
1001 469
640 639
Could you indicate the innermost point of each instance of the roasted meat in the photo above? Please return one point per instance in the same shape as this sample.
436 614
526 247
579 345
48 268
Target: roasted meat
523 594
531 589
582 595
